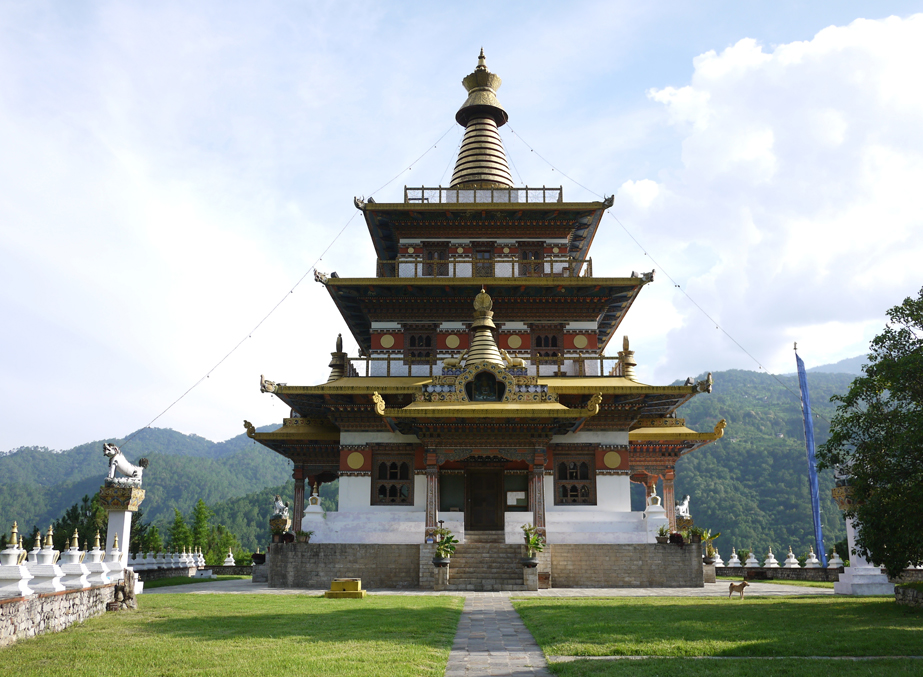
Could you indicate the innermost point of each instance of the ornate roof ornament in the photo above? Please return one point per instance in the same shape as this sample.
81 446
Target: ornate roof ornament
483 346
481 159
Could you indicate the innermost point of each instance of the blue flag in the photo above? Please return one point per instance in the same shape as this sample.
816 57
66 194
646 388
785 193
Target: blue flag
812 463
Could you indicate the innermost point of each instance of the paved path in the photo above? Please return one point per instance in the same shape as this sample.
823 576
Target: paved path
246 586
492 640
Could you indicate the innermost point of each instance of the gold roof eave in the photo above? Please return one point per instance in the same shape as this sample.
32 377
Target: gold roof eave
485 281
544 410
298 429
479 206
361 385
676 434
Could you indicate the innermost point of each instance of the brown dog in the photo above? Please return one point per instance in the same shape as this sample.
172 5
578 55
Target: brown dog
737 587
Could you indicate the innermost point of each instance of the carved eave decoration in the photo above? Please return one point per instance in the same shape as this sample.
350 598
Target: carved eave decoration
671 440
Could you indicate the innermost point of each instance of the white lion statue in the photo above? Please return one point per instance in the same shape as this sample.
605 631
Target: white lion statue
682 507
117 461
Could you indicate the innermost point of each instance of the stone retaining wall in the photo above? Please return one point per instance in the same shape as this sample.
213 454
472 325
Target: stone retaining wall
22 617
626 566
230 570
314 565
780 574
908 596
157 574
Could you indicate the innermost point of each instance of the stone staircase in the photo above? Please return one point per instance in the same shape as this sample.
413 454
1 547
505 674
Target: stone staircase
485 562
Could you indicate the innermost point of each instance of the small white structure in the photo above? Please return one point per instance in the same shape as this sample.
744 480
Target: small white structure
114 561
654 517
791 562
752 562
771 562
735 560
718 561
99 570
834 562
46 574
812 562
229 560
14 575
76 574
200 559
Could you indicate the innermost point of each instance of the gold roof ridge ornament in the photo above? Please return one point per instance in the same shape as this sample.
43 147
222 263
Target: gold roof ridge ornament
483 346
481 159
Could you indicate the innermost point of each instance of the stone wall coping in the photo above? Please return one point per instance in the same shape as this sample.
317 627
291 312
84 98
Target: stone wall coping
46 595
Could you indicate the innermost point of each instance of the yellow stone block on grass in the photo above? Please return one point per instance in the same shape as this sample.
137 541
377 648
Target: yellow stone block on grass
345 588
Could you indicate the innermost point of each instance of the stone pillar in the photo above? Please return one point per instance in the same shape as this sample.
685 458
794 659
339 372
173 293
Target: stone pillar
298 509
669 500
537 492
120 502
432 495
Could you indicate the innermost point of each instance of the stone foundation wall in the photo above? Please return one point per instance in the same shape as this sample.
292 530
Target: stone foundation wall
626 566
22 617
230 570
909 576
314 565
780 574
156 574
908 596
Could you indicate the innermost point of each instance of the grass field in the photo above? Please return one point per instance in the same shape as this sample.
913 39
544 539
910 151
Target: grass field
738 635
243 635
801 584
185 580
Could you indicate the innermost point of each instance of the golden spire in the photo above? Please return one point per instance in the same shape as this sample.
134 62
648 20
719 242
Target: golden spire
481 159
96 541
483 346
75 540
48 542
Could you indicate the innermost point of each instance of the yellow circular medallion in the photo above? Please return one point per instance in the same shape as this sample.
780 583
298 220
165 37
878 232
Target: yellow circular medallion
580 341
452 341
555 250
410 250
387 340
506 250
612 459
514 341
355 460
460 250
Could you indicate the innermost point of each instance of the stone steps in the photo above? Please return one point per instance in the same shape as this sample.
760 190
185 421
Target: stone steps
486 565
485 537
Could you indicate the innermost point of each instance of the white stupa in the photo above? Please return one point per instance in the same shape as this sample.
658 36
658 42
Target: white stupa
771 562
791 562
735 560
752 562
229 560
812 562
718 561
834 562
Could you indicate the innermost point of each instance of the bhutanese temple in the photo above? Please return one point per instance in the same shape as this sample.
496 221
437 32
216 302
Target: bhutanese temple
483 398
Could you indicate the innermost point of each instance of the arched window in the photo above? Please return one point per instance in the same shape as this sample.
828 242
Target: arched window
562 471
395 479
575 479
383 471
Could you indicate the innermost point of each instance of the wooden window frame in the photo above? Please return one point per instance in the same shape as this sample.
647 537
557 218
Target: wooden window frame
437 266
531 259
552 334
580 490
398 483
415 334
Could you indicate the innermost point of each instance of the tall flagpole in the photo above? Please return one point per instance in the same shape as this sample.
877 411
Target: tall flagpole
812 463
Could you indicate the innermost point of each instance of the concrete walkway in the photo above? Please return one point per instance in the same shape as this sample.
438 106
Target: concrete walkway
246 586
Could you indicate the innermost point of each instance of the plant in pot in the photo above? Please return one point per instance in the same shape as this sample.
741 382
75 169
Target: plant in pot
663 533
534 545
708 546
694 534
445 546
303 536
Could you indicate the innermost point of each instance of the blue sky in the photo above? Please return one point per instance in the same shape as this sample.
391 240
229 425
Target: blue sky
171 170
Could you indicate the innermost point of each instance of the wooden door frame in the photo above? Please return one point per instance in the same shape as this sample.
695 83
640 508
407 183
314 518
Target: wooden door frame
499 505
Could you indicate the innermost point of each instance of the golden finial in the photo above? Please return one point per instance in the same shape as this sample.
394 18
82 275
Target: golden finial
75 540
38 540
14 535
96 541
84 545
115 542
48 542
482 61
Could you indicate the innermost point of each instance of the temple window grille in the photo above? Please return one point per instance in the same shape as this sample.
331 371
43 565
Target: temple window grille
532 261
432 255
483 263
419 344
392 480
575 481
547 341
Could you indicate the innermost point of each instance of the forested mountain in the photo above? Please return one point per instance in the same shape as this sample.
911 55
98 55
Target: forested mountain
37 485
751 485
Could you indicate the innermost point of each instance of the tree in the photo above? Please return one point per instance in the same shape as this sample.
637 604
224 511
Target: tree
152 540
877 437
201 514
178 533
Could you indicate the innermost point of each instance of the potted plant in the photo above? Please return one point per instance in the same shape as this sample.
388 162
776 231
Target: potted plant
695 534
445 546
708 547
663 533
303 536
534 545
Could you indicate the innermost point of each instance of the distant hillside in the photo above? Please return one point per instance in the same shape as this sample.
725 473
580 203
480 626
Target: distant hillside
851 365
752 485
37 485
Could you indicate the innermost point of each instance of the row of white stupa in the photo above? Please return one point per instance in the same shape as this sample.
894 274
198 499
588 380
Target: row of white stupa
791 562
44 569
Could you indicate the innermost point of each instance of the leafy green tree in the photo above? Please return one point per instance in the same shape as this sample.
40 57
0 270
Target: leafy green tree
178 533
220 542
87 517
201 514
152 540
877 437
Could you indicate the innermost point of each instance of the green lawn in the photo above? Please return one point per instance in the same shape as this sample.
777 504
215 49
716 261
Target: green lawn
740 667
676 627
244 635
803 584
187 580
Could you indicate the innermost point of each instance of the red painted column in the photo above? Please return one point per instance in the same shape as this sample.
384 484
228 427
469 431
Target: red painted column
668 498
537 492
432 495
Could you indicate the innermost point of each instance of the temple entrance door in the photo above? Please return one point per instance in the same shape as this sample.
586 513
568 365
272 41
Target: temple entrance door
483 500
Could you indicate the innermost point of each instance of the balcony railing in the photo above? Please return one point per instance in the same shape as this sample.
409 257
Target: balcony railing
470 266
483 195
562 365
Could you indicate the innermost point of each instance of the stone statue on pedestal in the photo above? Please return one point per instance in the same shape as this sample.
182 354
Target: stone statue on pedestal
117 462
